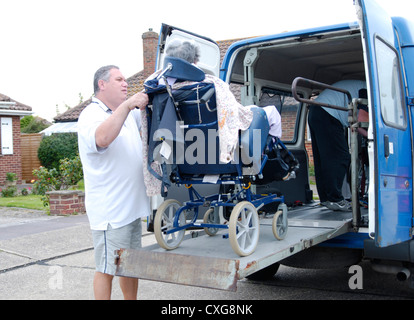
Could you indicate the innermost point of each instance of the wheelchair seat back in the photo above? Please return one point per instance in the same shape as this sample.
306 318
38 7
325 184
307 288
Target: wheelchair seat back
196 107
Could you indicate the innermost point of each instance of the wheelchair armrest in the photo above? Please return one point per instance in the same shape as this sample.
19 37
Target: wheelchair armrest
203 100
206 97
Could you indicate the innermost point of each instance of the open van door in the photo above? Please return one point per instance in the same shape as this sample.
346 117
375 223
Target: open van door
390 141
209 50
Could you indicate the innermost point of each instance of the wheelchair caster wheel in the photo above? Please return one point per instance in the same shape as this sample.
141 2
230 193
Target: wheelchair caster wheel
209 218
279 226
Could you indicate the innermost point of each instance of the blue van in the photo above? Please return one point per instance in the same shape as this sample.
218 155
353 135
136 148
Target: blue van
288 70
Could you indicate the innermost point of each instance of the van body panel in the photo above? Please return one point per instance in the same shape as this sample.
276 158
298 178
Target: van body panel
405 41
392 164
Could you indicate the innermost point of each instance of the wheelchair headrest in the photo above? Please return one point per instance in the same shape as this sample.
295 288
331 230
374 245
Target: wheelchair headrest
183 70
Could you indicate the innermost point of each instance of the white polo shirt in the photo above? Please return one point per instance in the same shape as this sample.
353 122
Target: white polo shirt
114 185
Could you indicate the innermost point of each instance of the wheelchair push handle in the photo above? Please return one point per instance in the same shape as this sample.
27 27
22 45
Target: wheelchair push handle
168 68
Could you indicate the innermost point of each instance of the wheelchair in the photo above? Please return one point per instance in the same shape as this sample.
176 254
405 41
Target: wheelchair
174 115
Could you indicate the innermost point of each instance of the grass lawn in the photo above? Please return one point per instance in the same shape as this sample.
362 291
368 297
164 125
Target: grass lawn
30 201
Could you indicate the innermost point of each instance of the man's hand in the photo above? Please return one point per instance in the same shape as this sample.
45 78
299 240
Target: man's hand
138 100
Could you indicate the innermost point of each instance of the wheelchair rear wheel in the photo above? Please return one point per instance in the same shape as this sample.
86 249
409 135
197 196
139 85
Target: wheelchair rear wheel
164 221
244 228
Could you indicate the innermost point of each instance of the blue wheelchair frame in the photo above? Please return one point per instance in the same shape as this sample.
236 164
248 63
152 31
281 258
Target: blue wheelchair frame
219 200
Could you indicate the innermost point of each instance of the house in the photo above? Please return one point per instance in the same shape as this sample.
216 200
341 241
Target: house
11 112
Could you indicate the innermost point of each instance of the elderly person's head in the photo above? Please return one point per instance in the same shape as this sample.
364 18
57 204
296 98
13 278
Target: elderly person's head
186 50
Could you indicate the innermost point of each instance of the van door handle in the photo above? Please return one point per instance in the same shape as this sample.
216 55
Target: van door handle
386 146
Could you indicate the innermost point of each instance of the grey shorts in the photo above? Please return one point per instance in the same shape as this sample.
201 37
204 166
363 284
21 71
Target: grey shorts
107 242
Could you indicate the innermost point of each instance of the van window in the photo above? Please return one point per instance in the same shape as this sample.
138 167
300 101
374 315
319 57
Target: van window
288 108
390 87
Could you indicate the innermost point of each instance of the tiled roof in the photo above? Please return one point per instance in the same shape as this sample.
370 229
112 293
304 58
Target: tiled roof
224 45
16 106
135 84
72 114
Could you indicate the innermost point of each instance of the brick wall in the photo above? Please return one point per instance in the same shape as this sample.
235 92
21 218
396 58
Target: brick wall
12 162
150 44
288 132
308 146
66 202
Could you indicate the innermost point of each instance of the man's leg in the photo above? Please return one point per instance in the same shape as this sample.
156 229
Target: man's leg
316 125
328 134
129 287
102 282
106 243
102 286
336 153
128 236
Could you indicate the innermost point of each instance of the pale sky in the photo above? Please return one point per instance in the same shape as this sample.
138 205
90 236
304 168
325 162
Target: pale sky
51 49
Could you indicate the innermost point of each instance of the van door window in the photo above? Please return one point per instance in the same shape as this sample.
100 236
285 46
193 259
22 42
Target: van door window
288 108
390 86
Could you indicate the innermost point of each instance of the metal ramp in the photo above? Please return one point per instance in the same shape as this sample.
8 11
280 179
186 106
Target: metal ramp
210 262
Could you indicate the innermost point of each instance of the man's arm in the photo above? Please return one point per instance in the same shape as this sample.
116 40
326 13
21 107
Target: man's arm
110 128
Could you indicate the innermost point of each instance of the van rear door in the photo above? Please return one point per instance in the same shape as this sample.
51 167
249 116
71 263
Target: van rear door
390 146
209 50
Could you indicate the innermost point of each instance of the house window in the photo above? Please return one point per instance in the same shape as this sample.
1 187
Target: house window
6 136
288 108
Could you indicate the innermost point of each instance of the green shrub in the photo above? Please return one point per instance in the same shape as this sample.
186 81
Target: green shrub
70 173
11 176
8 192
55 147
24 122
31 124
46 180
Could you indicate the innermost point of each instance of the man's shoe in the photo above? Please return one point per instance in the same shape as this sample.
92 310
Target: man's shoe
342 205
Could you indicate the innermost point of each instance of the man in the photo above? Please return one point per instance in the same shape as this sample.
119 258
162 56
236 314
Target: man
329 146
111 154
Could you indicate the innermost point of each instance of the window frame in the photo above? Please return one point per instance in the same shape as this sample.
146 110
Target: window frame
400 88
